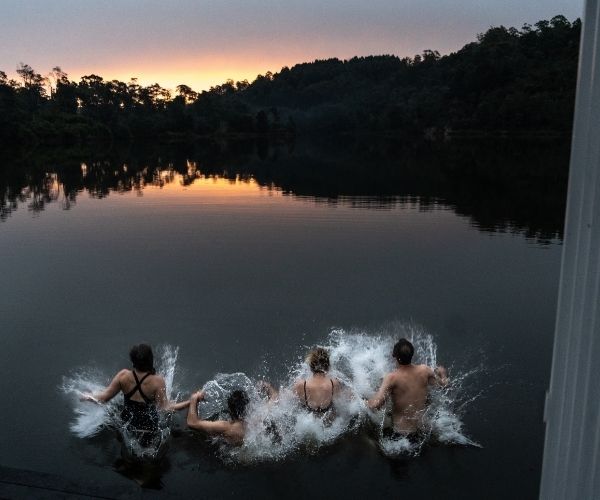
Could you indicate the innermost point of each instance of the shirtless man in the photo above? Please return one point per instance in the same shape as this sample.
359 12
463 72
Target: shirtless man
233 430
408 386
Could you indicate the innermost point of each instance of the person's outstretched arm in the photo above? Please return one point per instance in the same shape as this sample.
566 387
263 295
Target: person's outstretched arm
182 405
107 394
378 400
163 402
196 423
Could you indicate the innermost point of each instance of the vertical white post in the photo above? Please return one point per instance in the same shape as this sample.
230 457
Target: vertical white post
571 467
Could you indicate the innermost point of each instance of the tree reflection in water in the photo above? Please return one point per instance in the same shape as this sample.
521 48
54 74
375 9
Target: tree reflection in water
502 185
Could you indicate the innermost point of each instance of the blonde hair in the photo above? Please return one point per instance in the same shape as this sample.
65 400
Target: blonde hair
318 360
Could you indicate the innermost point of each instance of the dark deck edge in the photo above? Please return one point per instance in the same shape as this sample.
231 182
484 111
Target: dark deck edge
21 483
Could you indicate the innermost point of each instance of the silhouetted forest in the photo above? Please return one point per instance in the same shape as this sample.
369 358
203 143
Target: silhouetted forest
508 80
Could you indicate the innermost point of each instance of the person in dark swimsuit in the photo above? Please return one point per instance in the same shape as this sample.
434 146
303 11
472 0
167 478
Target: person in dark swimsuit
140 417
144 393
318 410
317 392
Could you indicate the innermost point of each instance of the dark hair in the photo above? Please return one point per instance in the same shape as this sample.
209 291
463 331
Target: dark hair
142 358
403 352
236 403
318 360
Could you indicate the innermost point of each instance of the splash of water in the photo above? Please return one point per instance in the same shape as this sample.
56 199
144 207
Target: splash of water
90 419
276 429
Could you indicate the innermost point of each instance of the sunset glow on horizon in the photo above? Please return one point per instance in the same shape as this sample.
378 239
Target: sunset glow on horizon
198 73
202 44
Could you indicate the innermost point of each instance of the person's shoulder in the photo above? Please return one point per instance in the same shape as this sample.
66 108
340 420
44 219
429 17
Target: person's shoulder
157 379
123 373
423 367
425 370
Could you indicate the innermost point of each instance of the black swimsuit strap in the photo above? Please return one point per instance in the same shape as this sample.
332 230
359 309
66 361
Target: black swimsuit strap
305 397
138 387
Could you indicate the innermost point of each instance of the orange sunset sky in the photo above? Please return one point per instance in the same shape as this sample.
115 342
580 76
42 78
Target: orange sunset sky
202 43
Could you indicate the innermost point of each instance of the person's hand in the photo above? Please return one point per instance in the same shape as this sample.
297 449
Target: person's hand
441 373
198 395
89 397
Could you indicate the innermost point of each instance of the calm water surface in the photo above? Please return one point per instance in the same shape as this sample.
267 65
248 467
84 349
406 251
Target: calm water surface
243 274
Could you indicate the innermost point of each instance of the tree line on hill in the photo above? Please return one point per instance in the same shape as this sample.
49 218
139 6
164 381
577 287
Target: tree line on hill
508 80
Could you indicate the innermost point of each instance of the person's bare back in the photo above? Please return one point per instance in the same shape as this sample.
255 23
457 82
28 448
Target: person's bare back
151 385
407 386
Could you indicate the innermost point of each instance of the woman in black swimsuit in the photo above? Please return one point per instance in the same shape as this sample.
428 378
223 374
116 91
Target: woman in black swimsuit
144 393
316 393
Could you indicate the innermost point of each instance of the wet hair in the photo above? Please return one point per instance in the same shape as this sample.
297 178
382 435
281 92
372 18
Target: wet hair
142 358
318 360
403 352
236 403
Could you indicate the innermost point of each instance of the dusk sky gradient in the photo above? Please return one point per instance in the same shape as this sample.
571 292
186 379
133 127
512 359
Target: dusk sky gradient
202 43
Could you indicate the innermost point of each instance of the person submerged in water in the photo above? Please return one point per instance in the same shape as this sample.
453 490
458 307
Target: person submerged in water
407 387
144 394
234 430
317 393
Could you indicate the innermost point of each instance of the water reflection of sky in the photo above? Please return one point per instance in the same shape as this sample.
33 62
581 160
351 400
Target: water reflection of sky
209 194
514 186
233 201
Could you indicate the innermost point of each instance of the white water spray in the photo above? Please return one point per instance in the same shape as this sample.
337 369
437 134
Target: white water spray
276 429
279 428
92 417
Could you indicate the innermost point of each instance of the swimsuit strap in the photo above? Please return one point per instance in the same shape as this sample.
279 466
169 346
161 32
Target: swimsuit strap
331 389
138 387
305 397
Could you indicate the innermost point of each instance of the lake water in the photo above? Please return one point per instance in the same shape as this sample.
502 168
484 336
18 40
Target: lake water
245 257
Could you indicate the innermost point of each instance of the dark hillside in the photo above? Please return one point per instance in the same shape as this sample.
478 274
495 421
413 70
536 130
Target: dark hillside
507 81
